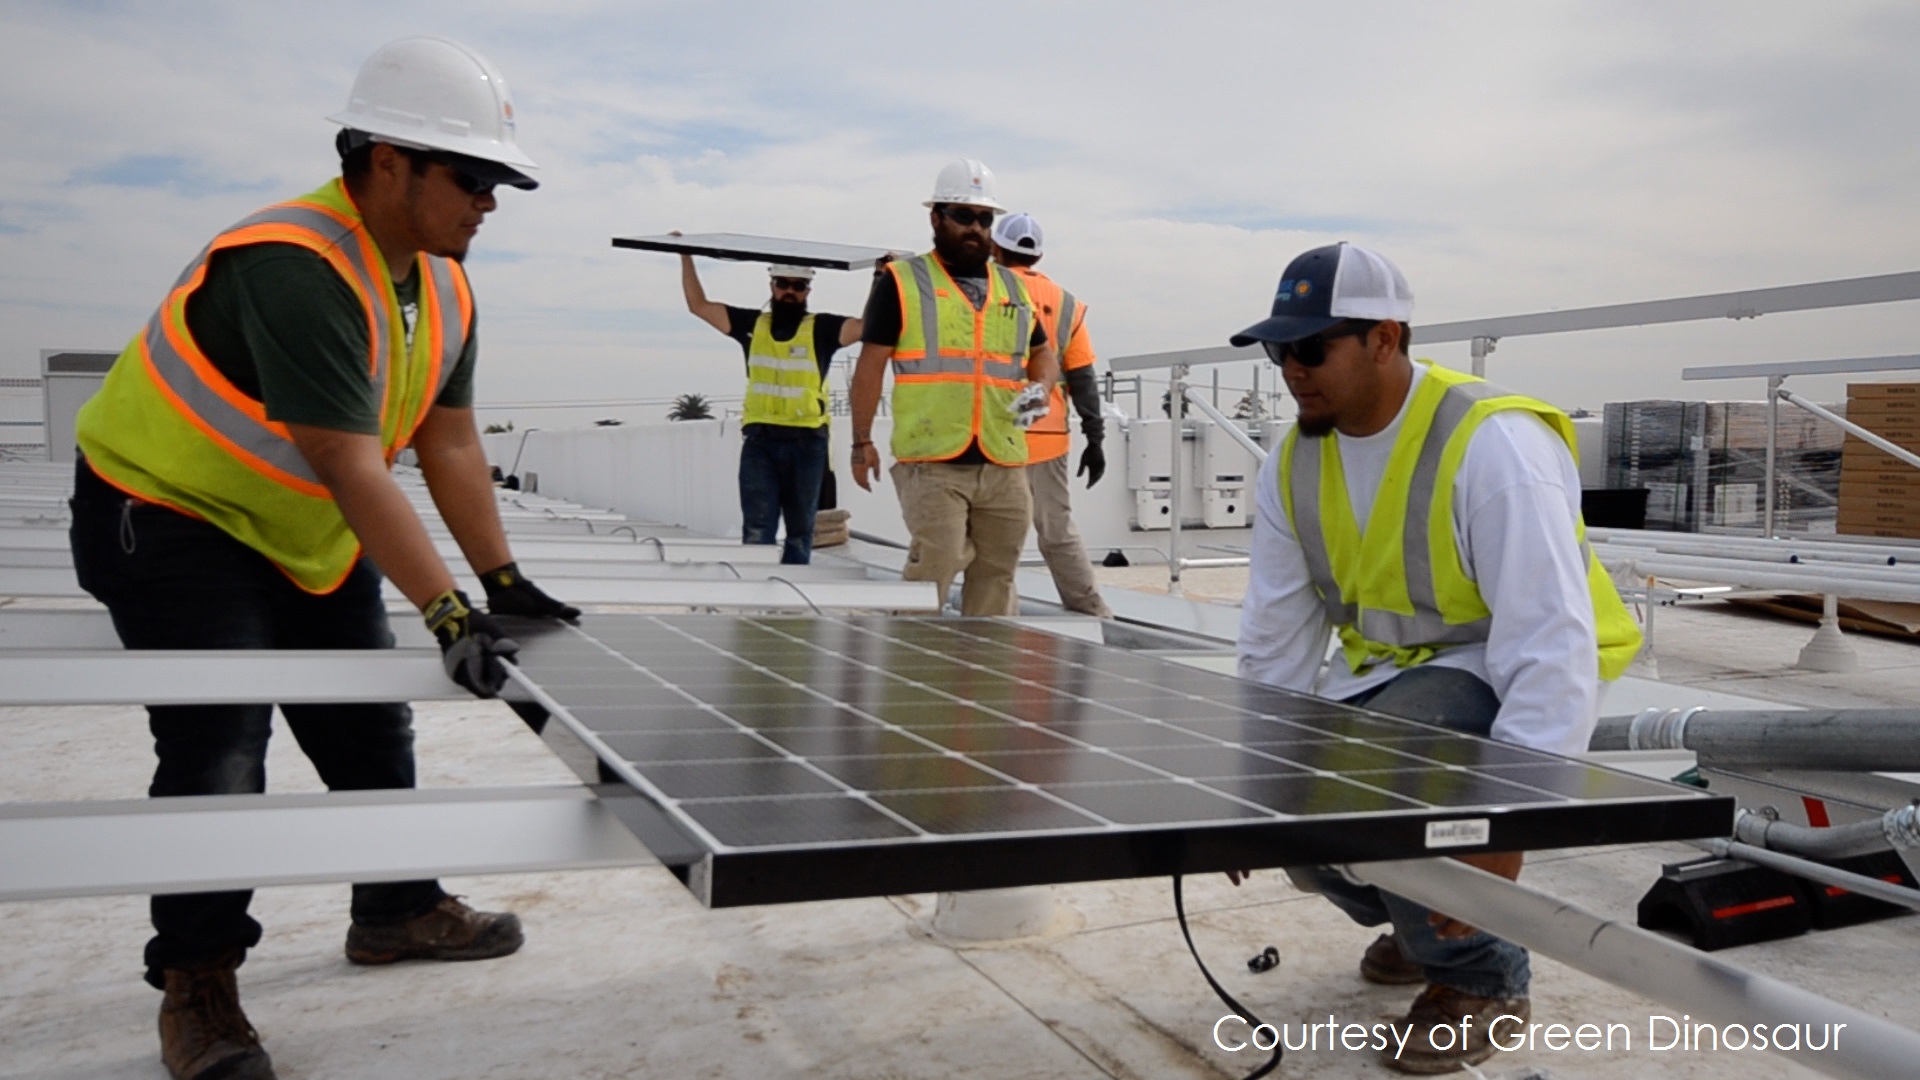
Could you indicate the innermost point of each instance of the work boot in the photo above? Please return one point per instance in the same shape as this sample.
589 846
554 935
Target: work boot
203 1033
1385 964
1436 1015
450 930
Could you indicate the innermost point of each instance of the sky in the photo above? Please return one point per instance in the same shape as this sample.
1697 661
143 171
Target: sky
1510 157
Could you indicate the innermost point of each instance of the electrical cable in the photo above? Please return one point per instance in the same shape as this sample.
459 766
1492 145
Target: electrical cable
1180 910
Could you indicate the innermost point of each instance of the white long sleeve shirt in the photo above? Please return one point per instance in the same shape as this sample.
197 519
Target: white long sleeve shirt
1515 505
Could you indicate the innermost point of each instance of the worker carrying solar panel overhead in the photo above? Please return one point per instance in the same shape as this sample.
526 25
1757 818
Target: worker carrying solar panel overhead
784 471
233 492
972 367
1018 244
1432 521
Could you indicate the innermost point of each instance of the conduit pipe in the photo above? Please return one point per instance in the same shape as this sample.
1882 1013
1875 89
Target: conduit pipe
1198 401
1706 988
1813 871
1751 575
1898 829
1908 574
1770 551
1853 740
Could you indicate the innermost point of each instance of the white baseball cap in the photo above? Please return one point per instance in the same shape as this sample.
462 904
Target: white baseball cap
1020 234
1329 285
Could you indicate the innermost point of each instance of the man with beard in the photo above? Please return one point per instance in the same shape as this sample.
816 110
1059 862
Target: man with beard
232 492
1497 620
783 449
971 367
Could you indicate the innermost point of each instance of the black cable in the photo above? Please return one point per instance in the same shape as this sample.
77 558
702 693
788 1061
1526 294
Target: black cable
1180 909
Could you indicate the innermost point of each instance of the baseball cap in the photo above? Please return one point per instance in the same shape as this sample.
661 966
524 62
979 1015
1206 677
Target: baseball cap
804 273
1328 285
1020 234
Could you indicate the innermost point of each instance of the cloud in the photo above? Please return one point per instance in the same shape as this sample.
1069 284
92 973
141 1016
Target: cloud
1511 157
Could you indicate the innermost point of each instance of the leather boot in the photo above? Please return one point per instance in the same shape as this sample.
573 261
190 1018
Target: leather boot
203 1033
1441 1044
450 930
1385 964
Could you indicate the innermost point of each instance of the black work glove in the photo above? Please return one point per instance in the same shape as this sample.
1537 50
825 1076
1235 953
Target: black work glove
1093 462
510 594
472 645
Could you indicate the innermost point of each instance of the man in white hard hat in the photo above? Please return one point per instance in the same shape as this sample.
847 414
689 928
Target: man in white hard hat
1018 243
783 448
1499 622
971 367
232 492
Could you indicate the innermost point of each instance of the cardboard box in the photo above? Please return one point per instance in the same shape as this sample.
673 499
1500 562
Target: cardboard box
1886 519
1874 486
1883 391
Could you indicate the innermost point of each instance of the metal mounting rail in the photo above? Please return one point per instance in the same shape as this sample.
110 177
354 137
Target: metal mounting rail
1706 988
202 843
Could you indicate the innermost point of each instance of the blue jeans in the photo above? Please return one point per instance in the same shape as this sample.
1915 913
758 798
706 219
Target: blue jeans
1481 965
780 478
174 582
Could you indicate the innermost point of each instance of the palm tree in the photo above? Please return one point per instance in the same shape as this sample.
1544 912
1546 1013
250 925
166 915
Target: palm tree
690 407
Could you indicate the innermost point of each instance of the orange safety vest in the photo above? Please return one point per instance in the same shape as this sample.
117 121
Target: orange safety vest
167 427
1064 316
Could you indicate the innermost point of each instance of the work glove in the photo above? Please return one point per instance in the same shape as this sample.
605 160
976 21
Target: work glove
1093 462
510 594
472 645
1031 404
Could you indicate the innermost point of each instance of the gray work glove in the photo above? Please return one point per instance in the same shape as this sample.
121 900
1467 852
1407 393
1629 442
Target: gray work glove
472 645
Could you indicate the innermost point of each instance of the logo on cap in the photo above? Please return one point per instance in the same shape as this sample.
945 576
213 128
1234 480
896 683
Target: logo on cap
1302 287
1286 290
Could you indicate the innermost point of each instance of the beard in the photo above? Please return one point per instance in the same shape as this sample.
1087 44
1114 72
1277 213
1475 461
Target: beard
1314 427
788 309
965 253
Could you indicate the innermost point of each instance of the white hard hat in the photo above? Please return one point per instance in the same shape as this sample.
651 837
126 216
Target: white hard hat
428 93
1020 234
783 270
965 182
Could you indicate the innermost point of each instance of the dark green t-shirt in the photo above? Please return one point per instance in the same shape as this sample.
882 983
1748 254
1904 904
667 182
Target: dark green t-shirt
279 322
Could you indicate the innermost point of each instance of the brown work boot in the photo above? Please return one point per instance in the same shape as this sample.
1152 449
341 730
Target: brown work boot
1385 964
203 1033
450 930
1437 1014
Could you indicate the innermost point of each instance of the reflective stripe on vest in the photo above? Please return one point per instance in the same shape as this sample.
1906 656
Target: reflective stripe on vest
957 367
1413 593
168 427
784 383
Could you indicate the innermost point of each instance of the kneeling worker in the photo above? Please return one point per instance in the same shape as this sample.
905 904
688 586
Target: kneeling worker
961 337
1500 624
232 492
1018 244
783 449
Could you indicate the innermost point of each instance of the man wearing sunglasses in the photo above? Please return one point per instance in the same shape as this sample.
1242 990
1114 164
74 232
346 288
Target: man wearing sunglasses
232 492
971 365
783 449
1496 620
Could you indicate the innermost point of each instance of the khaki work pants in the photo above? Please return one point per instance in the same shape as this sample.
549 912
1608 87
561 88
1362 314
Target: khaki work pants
965 518
1060 542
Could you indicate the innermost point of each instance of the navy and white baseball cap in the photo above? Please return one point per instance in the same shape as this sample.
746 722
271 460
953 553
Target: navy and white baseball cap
1020 234
1328 285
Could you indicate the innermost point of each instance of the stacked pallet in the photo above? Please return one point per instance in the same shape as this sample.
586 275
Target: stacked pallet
1880 494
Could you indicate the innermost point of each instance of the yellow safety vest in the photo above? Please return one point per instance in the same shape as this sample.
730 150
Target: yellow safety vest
957 369
784 384
1400 591
168 428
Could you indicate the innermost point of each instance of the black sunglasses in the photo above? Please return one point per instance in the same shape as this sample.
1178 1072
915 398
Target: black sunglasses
963 217
788 284
463 179
1311 352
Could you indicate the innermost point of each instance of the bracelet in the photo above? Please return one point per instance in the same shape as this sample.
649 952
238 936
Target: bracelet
858 443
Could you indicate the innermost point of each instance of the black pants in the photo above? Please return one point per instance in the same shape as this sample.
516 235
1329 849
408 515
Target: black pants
175 582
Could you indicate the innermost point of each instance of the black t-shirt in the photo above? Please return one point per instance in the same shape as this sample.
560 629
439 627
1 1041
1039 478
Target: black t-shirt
826 342
287 331
881 326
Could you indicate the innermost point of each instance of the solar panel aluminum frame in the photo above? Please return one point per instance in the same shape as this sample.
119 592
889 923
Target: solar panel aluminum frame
721 875
739 247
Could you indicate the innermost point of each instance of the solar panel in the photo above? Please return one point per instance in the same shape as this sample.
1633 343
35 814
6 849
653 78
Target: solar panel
759 248
805 758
